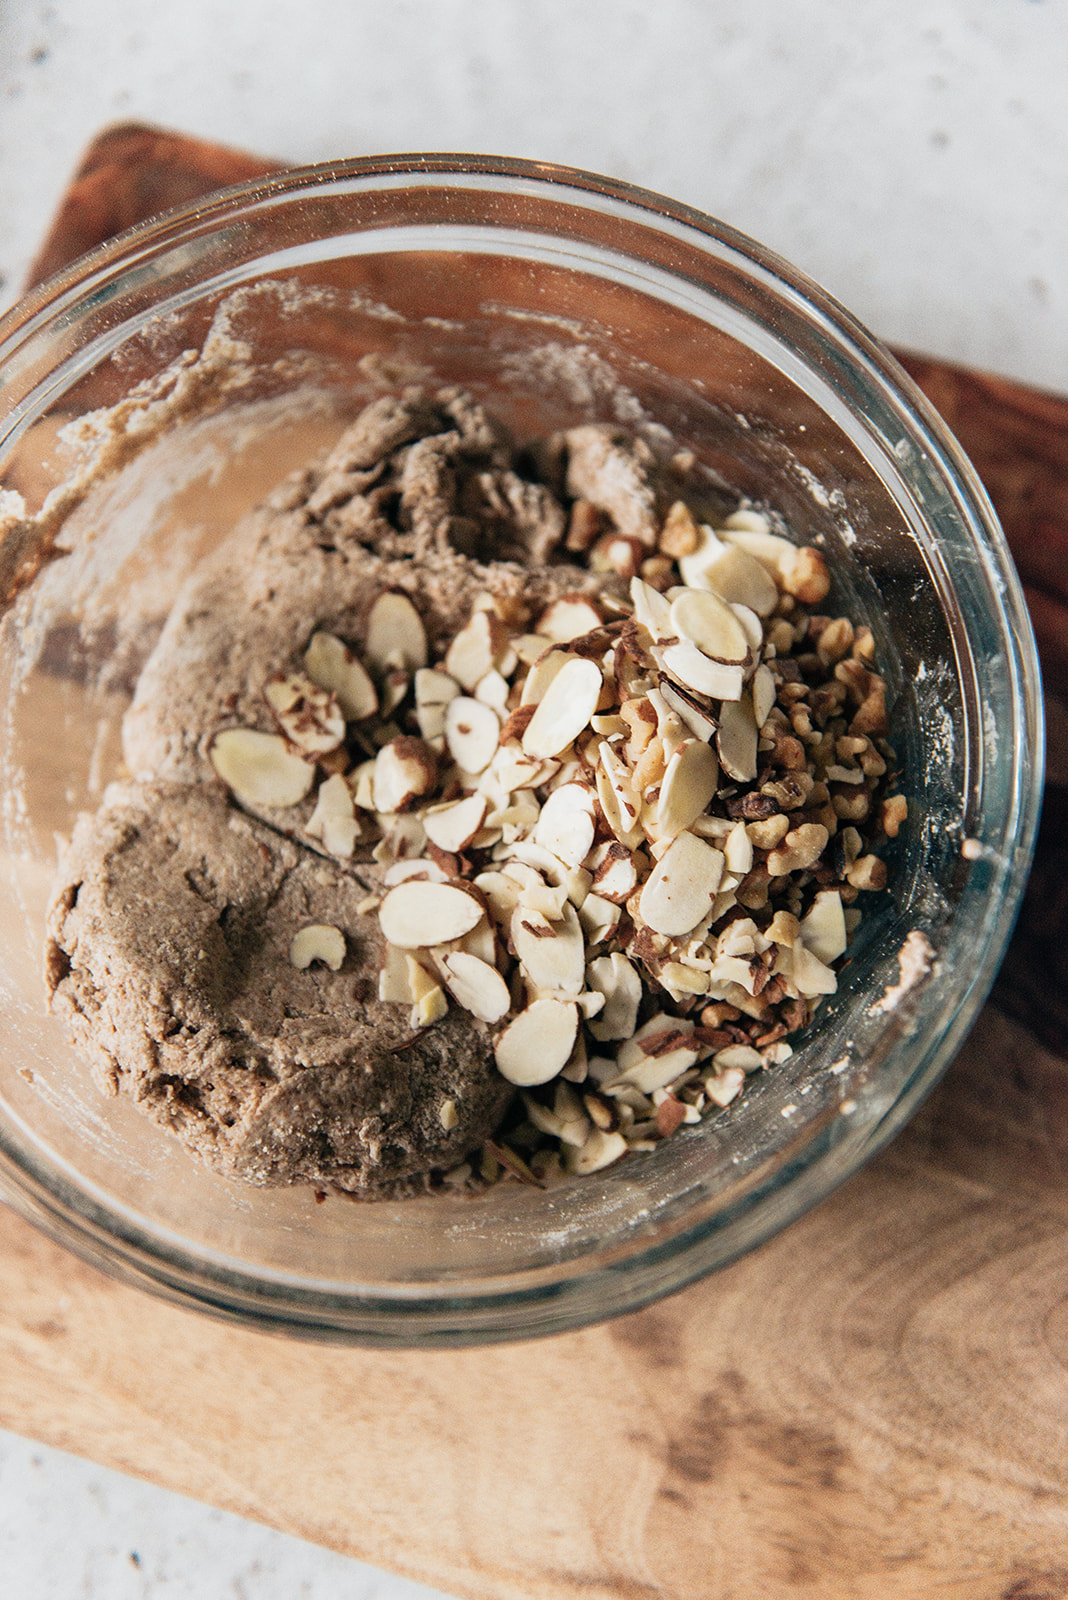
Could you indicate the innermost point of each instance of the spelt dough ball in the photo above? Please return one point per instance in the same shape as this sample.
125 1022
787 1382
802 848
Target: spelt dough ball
173 915
169 953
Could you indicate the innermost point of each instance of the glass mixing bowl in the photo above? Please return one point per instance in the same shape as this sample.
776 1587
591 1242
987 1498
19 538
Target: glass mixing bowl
156 388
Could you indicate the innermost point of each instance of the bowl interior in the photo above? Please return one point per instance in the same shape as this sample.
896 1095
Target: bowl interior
156 397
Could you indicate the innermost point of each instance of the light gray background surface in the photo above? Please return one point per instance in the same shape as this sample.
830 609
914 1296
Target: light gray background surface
912 155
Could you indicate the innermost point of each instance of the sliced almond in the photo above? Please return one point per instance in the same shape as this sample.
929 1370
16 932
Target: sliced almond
651 609
741 938
569 618
764 692
395 634
622 806
739 1056
527 877
395 685
600 1150
689 786
429 1008
433 692
401 871
697 718
599 917
308 715
421 982
736 970
737 740
682 980
657 1054
651 1037
566 824
331 664
577 882
493 691
565 708
537 1044
751 627
403 837
452 827
823 929
334 798
541 675
672 733
615 871
548 1120
678 893
811 975
708 549
393 984
517 817
260 768
656 1072
551 953
723 1087
334 821
530 647
513 770
747 517
501 893
774 553
471 732
740 577
417 914
533 854
571 1114
694 670
362 783
709 623
480 942
404 769
318 942
474 650
617 980
590 1003
477 986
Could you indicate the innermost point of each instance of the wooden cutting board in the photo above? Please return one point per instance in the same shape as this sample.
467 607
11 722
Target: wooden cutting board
875 1404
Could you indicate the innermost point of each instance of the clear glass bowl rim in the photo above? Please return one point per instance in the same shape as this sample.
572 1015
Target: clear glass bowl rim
436 1315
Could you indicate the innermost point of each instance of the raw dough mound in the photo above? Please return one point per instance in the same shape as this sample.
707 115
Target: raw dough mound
430 519
172 920
169 952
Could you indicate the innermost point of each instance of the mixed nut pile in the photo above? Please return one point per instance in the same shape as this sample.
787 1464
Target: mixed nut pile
627 836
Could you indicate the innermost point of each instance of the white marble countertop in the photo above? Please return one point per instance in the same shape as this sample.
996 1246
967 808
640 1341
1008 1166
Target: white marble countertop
912 155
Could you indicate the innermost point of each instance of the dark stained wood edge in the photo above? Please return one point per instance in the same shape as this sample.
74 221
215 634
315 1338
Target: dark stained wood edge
129 173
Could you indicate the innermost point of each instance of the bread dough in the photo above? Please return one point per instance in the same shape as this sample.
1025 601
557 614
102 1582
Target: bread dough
172 918
328 542
169 955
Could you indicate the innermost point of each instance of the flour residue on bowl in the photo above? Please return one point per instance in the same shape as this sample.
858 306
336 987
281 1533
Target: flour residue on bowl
915 959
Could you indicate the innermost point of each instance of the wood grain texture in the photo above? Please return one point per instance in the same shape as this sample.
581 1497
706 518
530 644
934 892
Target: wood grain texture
873 1405
888 1424
128 174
